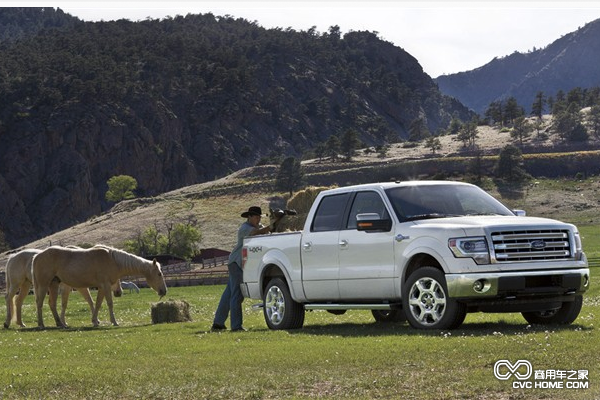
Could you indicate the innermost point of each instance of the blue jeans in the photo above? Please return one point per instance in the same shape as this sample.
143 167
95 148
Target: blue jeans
231 299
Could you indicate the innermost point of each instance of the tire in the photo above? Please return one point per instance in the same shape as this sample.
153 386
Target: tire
393 315
566 314
426 302
280 310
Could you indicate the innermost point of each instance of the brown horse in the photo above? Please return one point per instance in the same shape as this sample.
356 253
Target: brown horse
100 267
18 278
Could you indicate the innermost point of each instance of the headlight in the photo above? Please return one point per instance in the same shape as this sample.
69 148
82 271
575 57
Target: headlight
473 247
578 246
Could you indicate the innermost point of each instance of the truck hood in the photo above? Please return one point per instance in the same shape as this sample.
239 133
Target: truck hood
476 224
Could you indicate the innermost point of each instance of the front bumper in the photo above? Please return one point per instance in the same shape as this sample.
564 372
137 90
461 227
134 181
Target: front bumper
518 284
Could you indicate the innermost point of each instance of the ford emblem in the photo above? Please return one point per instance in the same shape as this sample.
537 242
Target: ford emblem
538 245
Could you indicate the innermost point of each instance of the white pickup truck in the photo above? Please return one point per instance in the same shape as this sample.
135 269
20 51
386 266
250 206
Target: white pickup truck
425 251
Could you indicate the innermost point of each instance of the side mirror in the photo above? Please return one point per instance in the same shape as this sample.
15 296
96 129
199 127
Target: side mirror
372 222
519 213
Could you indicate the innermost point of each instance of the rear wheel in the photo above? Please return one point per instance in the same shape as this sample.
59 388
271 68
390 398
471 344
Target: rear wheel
566 314
393 315
280 310
426 302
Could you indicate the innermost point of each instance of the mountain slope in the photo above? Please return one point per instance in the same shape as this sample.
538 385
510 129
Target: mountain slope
184 100
20 22
569 62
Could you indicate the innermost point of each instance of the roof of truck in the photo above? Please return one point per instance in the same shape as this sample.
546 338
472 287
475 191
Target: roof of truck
387 185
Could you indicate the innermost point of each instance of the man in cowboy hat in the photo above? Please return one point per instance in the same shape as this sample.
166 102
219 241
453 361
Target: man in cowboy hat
231 299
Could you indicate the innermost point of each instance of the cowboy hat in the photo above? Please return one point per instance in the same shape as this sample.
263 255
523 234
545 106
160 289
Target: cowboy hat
252 211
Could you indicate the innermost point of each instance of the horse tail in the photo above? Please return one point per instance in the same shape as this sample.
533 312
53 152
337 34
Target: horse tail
10 300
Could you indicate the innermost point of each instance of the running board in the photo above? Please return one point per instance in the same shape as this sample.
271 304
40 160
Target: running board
331 306
360 306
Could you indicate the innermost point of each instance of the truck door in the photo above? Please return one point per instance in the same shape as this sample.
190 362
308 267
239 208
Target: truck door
367 262
320 247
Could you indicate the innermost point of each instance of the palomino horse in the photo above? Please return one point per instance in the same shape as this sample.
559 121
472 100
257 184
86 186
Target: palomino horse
18 278
99 266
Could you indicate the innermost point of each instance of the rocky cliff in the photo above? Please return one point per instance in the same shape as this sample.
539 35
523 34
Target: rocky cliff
186 100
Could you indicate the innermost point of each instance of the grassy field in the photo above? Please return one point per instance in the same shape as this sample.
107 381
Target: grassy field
334 356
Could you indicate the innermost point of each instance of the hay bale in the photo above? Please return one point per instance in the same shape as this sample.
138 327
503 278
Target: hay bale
301 201
171 311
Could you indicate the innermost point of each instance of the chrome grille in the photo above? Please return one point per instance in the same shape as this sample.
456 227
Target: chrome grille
531 245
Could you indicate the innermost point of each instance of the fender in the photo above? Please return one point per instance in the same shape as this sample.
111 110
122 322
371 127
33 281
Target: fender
425 245
279 259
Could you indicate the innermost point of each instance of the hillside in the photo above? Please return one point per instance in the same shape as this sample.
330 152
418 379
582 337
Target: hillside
216 205
18 22
567 63
184 100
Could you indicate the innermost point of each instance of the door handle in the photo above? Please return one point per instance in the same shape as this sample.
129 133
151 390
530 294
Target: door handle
307 245
343 243
400 237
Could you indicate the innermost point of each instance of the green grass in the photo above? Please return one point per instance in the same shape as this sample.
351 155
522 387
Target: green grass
590 237
334 356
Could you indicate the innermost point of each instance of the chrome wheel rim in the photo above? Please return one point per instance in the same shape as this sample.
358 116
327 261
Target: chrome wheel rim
427 301
275 305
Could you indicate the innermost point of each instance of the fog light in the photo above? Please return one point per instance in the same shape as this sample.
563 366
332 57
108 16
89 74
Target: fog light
586 281
481 285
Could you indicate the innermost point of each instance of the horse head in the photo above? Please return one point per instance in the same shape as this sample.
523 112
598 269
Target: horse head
156 279
117 289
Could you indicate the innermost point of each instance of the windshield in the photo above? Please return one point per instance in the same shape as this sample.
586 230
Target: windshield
440 201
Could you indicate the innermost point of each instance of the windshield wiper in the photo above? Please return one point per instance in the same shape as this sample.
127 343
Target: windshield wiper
481 213
430 216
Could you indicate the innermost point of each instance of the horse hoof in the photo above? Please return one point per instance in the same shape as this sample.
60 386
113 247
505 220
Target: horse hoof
6 325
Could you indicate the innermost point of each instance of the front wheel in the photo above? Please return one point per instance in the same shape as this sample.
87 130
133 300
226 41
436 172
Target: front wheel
426 302
280 310
566 314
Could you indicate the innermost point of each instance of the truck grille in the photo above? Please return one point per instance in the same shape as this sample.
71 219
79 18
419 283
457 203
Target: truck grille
531 245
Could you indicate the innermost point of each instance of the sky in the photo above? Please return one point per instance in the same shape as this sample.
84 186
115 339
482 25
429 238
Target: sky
445 37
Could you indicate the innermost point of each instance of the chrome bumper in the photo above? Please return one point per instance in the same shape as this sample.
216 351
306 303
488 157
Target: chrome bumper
496 284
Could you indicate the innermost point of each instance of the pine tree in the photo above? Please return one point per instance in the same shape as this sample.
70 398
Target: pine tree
333 147
290 176
433 144
537 108
349 143
521 129
418 130
510 164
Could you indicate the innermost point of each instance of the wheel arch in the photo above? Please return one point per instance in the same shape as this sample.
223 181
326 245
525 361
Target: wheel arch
418 261
271 271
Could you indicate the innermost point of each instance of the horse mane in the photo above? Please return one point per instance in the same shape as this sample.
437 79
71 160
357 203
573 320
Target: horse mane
128 260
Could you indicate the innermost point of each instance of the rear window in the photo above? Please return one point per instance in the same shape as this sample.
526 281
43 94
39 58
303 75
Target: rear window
330 213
